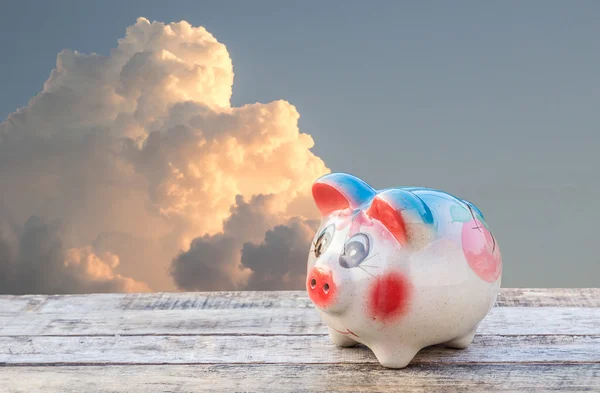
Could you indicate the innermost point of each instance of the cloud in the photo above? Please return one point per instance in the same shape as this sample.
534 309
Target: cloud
257 250
142 157
279 262
210 264
33 259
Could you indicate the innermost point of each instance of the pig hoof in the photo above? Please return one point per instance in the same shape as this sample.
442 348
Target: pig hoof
462 341
341 340
395 358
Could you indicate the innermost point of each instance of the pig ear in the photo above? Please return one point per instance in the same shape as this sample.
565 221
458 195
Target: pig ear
405 215
337 191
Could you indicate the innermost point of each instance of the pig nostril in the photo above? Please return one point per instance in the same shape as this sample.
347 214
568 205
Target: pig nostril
326 288
313 283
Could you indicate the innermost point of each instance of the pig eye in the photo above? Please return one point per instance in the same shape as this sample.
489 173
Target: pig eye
356 250
323 240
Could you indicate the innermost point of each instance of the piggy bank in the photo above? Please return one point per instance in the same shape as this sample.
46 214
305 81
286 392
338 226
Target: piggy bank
401 268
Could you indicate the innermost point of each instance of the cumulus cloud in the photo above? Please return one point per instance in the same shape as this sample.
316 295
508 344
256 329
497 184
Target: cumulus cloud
279 262
258 250
142 157
33 259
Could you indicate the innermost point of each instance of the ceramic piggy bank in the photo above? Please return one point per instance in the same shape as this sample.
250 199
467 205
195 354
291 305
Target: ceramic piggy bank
400 269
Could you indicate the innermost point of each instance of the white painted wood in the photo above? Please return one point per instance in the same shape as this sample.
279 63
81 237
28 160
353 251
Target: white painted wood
549 297
533 340
281 349
16 304
509 297
500 320
316 378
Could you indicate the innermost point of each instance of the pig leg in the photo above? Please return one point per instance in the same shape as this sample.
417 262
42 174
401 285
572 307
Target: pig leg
341 340
462 341
394 356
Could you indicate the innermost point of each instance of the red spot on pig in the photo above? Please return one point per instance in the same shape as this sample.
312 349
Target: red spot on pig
389 296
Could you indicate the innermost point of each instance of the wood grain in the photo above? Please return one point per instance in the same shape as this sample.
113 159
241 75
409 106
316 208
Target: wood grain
85 320
282 349
549 297
297 378
508 297
533 340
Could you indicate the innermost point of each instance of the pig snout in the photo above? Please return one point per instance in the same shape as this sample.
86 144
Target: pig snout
321 287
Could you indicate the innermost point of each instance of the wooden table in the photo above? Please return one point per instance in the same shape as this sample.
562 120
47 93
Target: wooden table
533 340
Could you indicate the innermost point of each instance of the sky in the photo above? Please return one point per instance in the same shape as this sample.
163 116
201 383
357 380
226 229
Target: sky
493 102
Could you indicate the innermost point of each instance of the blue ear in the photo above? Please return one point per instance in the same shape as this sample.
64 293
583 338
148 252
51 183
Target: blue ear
336 191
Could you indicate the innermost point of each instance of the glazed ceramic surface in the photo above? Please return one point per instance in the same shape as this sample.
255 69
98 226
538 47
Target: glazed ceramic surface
400 269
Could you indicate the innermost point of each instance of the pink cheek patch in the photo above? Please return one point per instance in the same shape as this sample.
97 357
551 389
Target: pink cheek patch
481 251
389 297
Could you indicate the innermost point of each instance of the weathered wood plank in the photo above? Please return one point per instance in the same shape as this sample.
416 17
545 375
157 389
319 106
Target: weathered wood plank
282 349
302 378
549 297
17 304
534 340
509 297
500 320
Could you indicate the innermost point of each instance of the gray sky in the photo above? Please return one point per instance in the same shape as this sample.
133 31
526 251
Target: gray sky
494 102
